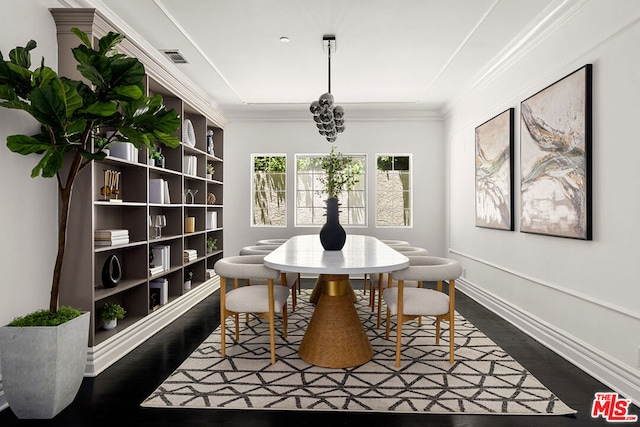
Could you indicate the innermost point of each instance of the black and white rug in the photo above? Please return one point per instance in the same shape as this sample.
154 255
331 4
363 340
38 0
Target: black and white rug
483 380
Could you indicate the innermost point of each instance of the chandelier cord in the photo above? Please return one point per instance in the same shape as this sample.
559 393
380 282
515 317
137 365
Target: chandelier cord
329 50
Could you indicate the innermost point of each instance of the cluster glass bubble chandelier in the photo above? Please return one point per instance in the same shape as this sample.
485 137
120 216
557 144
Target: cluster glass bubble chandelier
329 118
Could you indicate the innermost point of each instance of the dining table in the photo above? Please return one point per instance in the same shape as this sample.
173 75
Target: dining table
335 336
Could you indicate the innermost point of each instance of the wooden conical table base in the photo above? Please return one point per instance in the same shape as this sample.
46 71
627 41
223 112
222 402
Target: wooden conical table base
335 337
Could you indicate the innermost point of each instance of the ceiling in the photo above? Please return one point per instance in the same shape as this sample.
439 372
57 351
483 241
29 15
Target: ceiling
390 54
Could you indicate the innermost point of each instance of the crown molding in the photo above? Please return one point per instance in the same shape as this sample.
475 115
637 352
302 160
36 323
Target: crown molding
364 112
157 66
554 16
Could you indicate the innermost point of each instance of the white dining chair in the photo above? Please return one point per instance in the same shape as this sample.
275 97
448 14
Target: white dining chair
379 281
411 303
264 301
290 278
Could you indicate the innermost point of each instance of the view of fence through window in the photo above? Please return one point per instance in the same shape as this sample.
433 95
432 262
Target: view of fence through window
269 186
393 191
310 199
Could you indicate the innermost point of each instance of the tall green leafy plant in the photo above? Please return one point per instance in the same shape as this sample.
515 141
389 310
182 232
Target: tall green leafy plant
341 173
73 115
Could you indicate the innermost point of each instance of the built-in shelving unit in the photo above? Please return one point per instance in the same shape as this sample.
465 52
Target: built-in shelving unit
92 210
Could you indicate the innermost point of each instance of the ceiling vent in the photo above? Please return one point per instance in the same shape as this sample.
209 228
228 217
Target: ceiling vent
175 56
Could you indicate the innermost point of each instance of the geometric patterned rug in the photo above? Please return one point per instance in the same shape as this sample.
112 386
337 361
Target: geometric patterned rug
483 379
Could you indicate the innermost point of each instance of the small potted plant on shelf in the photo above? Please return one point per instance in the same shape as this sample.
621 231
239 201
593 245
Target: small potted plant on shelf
210 171
212 244
188 275
110 314
156 158
74 116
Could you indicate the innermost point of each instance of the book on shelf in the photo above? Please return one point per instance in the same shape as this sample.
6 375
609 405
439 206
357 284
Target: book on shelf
190 165
163 285
212 220
162 256
155 270
190 255
112 242
110 234
123 150
159 191
210 273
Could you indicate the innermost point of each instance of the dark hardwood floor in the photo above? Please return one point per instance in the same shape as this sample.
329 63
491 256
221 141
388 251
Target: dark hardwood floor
113 398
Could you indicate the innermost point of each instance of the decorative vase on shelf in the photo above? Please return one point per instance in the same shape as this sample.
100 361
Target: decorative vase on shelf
332 235
111 272
109 324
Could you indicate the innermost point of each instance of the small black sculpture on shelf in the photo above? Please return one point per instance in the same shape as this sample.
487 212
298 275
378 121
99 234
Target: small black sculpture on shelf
111 272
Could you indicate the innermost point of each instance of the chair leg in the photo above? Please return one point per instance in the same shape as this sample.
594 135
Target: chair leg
451 337
294 296
452 316
380 289
388 329
399 321
364 285
223 314
272 329
285 320
237 321
420 317
372 297
398 341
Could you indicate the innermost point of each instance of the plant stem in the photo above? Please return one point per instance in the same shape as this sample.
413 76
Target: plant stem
65 199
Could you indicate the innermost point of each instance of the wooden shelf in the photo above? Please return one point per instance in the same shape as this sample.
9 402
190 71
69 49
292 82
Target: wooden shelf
90 210
102 292
116 247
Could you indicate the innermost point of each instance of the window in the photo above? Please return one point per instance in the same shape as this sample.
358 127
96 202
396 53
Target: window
310 205
393 190
269 190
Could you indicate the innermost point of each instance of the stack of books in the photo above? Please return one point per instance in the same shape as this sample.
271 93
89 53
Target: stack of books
111 237
155 269
190 255
210 273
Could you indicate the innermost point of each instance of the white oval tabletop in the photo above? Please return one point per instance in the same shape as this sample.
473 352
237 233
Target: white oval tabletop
360 254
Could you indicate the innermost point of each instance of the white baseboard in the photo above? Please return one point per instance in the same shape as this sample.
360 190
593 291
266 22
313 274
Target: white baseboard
105 354
3 401
613 373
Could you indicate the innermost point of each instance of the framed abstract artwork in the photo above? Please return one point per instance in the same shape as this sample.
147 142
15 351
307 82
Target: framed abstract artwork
494 172
555 158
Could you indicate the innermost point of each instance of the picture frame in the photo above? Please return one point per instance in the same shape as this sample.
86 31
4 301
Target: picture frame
555 158
494 166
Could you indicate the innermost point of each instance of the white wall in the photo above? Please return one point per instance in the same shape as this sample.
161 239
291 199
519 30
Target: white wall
422 138
579 297
28 211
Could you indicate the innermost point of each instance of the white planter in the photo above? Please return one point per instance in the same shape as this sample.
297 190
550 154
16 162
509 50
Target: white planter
187 285
43 367
109 324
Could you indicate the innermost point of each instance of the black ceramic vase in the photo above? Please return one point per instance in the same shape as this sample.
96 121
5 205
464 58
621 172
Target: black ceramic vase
111 272
332 235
